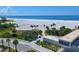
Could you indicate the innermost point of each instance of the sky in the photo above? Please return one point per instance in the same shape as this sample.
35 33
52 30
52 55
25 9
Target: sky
39 10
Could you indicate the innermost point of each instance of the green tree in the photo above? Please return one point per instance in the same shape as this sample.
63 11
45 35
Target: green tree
78 27
31 35
15 42
64 31
47 27
8 41
31 26
37 26
75 27
2 41
48 32
53 28
44 25
63 27
54 31
40 32
14 33
53 24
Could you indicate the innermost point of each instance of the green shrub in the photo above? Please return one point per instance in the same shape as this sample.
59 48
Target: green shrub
52 47
61 32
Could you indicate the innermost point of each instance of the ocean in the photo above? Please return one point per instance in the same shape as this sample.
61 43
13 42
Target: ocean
54 17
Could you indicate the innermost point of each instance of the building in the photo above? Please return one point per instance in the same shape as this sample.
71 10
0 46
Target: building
51 39
69 39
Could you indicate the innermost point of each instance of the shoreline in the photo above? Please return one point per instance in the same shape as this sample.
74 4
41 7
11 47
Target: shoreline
16 19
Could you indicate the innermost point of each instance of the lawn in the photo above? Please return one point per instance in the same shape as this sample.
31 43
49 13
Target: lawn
52 47
4 48
12 50
28 35
5 32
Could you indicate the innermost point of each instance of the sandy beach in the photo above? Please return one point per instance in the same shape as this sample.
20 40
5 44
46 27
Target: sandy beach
24 24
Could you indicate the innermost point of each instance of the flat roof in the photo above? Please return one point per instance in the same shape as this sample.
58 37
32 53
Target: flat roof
71 36
51 38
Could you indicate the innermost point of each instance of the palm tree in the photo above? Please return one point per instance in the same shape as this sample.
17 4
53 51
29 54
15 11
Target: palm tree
53 24
8 41
36 26
78 27
31 26
15 42
44 25
2 41
47 27
75 27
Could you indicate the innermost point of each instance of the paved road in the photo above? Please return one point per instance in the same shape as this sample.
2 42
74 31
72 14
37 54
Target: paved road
23 46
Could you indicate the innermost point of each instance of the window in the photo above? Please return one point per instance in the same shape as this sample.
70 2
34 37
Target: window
64 42
75 42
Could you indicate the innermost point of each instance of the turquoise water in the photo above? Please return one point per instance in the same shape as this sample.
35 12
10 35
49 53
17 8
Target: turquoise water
58 17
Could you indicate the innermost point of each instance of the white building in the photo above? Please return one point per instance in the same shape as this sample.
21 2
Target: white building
69 39
66 41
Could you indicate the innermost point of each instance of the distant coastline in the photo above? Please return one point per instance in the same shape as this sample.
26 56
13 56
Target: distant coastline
20 19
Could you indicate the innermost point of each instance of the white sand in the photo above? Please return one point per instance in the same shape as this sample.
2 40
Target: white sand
25 23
